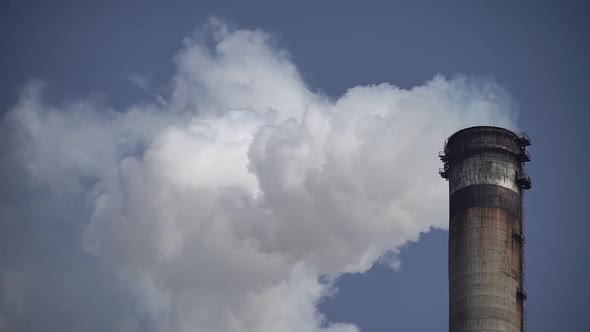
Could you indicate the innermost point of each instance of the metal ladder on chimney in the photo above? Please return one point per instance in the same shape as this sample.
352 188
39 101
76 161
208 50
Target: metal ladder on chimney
524 183
523 262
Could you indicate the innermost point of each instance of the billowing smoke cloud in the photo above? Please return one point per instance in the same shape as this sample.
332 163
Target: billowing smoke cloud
234 202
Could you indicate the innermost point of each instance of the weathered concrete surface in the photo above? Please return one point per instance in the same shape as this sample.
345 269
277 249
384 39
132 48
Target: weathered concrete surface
484 271
485 231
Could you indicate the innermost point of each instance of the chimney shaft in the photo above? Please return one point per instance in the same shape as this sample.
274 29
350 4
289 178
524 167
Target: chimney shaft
484 167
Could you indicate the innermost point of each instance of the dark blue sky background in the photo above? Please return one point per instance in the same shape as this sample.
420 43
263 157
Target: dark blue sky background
538 51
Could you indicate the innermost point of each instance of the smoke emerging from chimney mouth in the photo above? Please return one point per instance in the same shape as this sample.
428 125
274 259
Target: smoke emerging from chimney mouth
222 203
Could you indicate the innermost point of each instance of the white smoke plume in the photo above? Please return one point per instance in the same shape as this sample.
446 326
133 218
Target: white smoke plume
232 204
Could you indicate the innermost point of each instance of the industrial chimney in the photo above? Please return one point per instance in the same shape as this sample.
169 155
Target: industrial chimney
485 169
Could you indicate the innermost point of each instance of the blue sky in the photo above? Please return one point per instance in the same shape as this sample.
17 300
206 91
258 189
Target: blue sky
74 151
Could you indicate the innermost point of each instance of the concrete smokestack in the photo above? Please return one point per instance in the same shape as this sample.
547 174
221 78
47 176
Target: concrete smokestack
484 167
